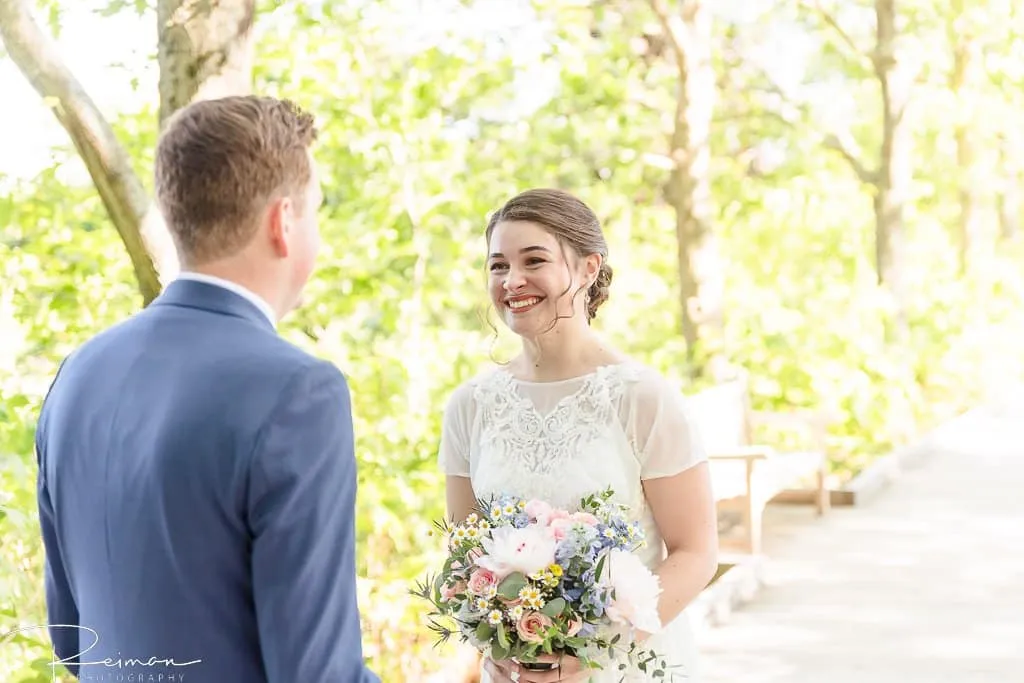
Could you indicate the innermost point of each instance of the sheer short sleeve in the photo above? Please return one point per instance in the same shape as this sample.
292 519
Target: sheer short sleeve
453 454
661 429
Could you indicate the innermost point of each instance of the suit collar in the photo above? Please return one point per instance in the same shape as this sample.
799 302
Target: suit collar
238 289
214 298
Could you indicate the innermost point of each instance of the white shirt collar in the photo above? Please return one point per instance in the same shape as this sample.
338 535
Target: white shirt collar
256 300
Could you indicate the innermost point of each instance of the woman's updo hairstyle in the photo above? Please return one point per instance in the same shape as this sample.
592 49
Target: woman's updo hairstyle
572 223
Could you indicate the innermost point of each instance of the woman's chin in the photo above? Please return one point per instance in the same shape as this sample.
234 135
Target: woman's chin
526 324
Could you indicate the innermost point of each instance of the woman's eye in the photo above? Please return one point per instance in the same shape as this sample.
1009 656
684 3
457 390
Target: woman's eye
535 261
497 266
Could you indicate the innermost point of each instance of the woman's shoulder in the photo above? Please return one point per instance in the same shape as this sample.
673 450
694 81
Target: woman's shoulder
465 393
646 384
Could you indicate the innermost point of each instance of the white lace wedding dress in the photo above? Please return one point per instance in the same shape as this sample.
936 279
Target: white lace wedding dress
560 441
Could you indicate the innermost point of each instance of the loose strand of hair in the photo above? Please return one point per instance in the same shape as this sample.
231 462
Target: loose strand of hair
495 335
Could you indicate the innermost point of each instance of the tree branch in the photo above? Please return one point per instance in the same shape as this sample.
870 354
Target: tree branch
857 53
107 161
675 30
834 25
834 142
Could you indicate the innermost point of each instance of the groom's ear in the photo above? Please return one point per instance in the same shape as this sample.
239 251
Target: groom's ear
280 217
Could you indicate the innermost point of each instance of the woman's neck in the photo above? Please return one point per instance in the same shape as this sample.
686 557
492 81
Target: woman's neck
563 353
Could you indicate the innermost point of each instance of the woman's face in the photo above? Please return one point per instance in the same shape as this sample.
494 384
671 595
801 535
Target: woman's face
531 283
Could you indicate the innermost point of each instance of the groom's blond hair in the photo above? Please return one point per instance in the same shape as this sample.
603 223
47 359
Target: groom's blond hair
220 162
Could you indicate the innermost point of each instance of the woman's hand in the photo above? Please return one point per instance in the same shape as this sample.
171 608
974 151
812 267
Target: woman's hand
567 669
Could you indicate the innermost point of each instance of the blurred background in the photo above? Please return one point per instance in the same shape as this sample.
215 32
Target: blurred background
826 194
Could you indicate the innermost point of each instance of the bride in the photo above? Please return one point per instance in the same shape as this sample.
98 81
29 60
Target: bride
571 416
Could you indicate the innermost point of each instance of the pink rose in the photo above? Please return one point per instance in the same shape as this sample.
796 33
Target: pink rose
481 581
539 510
557 515
560 528
449 591
573 627
584 518
531 627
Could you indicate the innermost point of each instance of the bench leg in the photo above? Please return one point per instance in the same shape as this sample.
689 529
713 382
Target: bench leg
824 500
752 514
754 524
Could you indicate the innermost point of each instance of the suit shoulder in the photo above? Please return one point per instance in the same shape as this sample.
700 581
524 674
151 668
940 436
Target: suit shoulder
298 360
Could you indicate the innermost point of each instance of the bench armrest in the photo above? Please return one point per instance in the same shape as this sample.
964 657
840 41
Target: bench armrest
744 453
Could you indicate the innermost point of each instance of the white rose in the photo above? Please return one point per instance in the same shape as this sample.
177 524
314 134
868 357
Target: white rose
636 591
511 550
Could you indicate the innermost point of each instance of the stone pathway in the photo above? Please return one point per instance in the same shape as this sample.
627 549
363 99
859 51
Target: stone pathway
925 583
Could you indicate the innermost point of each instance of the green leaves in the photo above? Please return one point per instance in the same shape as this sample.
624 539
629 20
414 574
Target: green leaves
511 585
484 631
554 607
501 648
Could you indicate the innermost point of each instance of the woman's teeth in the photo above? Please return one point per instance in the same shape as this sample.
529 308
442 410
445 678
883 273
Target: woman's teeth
523 303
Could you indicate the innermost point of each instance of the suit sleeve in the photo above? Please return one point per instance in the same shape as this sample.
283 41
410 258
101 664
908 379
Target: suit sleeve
61 608
302 516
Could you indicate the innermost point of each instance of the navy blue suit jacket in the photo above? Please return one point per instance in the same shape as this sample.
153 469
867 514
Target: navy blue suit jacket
197 489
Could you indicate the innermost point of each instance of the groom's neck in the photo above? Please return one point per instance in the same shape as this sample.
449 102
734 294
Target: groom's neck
253 277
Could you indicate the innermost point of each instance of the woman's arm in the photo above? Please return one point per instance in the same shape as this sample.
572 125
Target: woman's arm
460 497
684 510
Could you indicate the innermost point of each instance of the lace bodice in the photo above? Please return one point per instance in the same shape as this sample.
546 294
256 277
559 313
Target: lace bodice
560 441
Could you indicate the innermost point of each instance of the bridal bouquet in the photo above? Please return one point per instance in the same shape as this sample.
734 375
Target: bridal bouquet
523 578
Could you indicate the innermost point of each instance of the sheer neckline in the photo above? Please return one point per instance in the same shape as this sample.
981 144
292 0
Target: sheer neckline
599 370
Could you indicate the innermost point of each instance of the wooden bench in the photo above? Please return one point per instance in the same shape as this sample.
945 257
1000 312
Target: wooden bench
746 475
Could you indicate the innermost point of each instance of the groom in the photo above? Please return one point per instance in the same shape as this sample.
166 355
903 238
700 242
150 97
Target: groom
196 472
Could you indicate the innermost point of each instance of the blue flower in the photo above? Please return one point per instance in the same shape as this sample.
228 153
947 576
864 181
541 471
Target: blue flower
571 594
565 551
595 601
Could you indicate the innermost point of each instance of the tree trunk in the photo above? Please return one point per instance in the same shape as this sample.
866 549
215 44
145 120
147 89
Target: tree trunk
688 190
961 79
1010 197
205 50
893 175
106 160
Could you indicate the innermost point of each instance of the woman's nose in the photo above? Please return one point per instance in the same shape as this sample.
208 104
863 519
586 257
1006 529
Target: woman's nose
514 280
